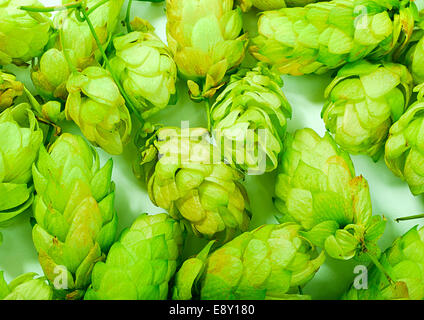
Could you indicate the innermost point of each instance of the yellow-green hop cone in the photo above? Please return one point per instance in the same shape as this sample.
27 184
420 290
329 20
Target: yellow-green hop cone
270 262
97 107
141 263
249 119
265 5
75 45
326 35
403 263
23 35
363 101
51 74
415 57
20 140
183 178
74 212
25 287
317 188
404 150
10 88
146 70
205 37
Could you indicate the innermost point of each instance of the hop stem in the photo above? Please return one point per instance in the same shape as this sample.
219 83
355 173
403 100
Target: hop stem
127 16
418 216
208 114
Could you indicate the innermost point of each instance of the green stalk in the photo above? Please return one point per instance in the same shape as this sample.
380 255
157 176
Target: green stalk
381 268
99 4
51 9
418 216
208 114
127 17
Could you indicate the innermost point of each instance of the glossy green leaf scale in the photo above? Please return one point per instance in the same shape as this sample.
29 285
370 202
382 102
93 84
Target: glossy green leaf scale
363 101
141 263
77 228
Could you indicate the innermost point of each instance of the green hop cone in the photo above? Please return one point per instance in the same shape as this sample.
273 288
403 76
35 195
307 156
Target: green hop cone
25 287
404 150
20 139
265 5
183 178
141 263
326 35
23 34
10 88
399 274
363 101
270 262
97 107
50 75
415 57
74 211
75 45
317 188
249 119
205 39
146 70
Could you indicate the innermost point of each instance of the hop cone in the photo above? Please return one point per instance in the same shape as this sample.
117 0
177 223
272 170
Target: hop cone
146 69
263 5
251 113
76 45
9 90
270 262
25 287
97 107
403 263
142 262
183 179
362 103
326 35
74 212
20 139
205 38
404 153
23 34
316 187
415 57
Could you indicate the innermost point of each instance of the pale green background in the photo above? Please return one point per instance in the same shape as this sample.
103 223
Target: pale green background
390 196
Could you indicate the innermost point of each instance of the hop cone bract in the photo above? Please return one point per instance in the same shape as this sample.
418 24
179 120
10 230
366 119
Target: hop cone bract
362 103
146 69
20 140
97 107
271 262
25 287
23 34
74 212
249 119
205 38
326 35
316 187
183 178
141 263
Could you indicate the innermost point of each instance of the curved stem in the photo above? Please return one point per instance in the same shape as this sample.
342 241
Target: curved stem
99 4
127 16
107 63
